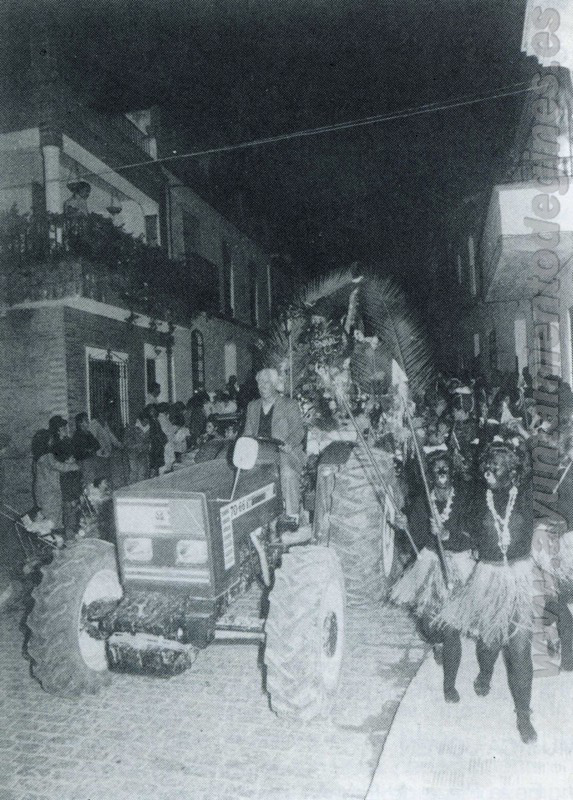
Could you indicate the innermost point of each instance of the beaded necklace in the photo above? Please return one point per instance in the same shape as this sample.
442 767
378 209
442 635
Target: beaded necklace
502 523
444 515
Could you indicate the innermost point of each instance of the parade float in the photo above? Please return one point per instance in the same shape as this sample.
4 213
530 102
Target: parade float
190 544
351 352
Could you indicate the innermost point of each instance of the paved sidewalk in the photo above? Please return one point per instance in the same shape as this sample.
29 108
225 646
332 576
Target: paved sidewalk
207 733
439 751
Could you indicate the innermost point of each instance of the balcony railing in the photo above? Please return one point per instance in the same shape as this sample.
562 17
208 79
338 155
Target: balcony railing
132 132
52 256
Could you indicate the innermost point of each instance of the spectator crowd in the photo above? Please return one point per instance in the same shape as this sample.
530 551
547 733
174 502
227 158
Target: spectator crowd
66 468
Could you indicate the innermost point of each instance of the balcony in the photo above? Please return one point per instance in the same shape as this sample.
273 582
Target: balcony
53 256
131 132
510 238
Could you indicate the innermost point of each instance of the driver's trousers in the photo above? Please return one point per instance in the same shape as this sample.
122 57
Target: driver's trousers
290 469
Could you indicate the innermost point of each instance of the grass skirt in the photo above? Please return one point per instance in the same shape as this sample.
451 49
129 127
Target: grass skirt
554 554
495 601
422 588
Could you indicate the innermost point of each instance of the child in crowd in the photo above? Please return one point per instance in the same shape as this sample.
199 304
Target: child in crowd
231 432
35 522
97 511
181 436
210 432
169 430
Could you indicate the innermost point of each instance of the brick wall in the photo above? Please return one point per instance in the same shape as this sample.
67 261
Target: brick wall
43 372
33 387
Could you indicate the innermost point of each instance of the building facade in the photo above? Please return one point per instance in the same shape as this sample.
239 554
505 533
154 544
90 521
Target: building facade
113 273
512 251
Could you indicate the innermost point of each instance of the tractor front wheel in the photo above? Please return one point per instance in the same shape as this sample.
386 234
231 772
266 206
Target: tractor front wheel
305 633
68 654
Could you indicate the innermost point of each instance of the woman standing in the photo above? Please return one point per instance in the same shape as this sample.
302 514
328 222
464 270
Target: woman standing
157 441
47 488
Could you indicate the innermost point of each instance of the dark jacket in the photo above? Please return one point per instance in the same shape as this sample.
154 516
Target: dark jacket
84 445
287 424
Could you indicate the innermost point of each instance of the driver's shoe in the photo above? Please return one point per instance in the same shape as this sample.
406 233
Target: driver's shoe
286 523
302 535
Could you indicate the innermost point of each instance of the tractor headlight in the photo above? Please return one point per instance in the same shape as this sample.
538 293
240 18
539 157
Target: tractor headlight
138 548
191 551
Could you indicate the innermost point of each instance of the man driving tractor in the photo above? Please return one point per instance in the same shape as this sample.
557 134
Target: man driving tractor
274 416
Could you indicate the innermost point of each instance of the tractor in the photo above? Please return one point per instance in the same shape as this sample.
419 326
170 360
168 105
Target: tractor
189 545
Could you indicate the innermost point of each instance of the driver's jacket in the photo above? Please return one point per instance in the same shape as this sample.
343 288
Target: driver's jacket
287 424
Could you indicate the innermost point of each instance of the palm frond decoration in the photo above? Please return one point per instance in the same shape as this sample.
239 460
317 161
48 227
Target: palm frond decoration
370 365
386 309
353 310
400 332
324 286
283 348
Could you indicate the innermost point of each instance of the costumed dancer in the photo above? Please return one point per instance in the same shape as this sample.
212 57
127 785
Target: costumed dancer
553 540
496 606
422 588
463 436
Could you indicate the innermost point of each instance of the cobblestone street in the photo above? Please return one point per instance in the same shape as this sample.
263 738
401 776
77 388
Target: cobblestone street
207 733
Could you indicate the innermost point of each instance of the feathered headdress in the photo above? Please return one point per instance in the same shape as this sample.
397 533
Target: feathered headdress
330 303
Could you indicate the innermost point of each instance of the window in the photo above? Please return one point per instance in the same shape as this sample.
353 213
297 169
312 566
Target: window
476 345
151 236
253 294
492 347
197 360
472 264
157 370
107 387
459 268
547 348
226 278
230 359
191 233
520 337
150 373
269 292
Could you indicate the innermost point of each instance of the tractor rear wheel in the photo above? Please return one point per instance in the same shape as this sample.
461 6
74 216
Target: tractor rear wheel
305 633
68 656
360 529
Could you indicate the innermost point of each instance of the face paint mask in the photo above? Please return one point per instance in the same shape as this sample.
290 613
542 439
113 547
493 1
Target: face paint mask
442 477
497 475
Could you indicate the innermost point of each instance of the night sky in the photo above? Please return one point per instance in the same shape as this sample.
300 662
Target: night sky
226 71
